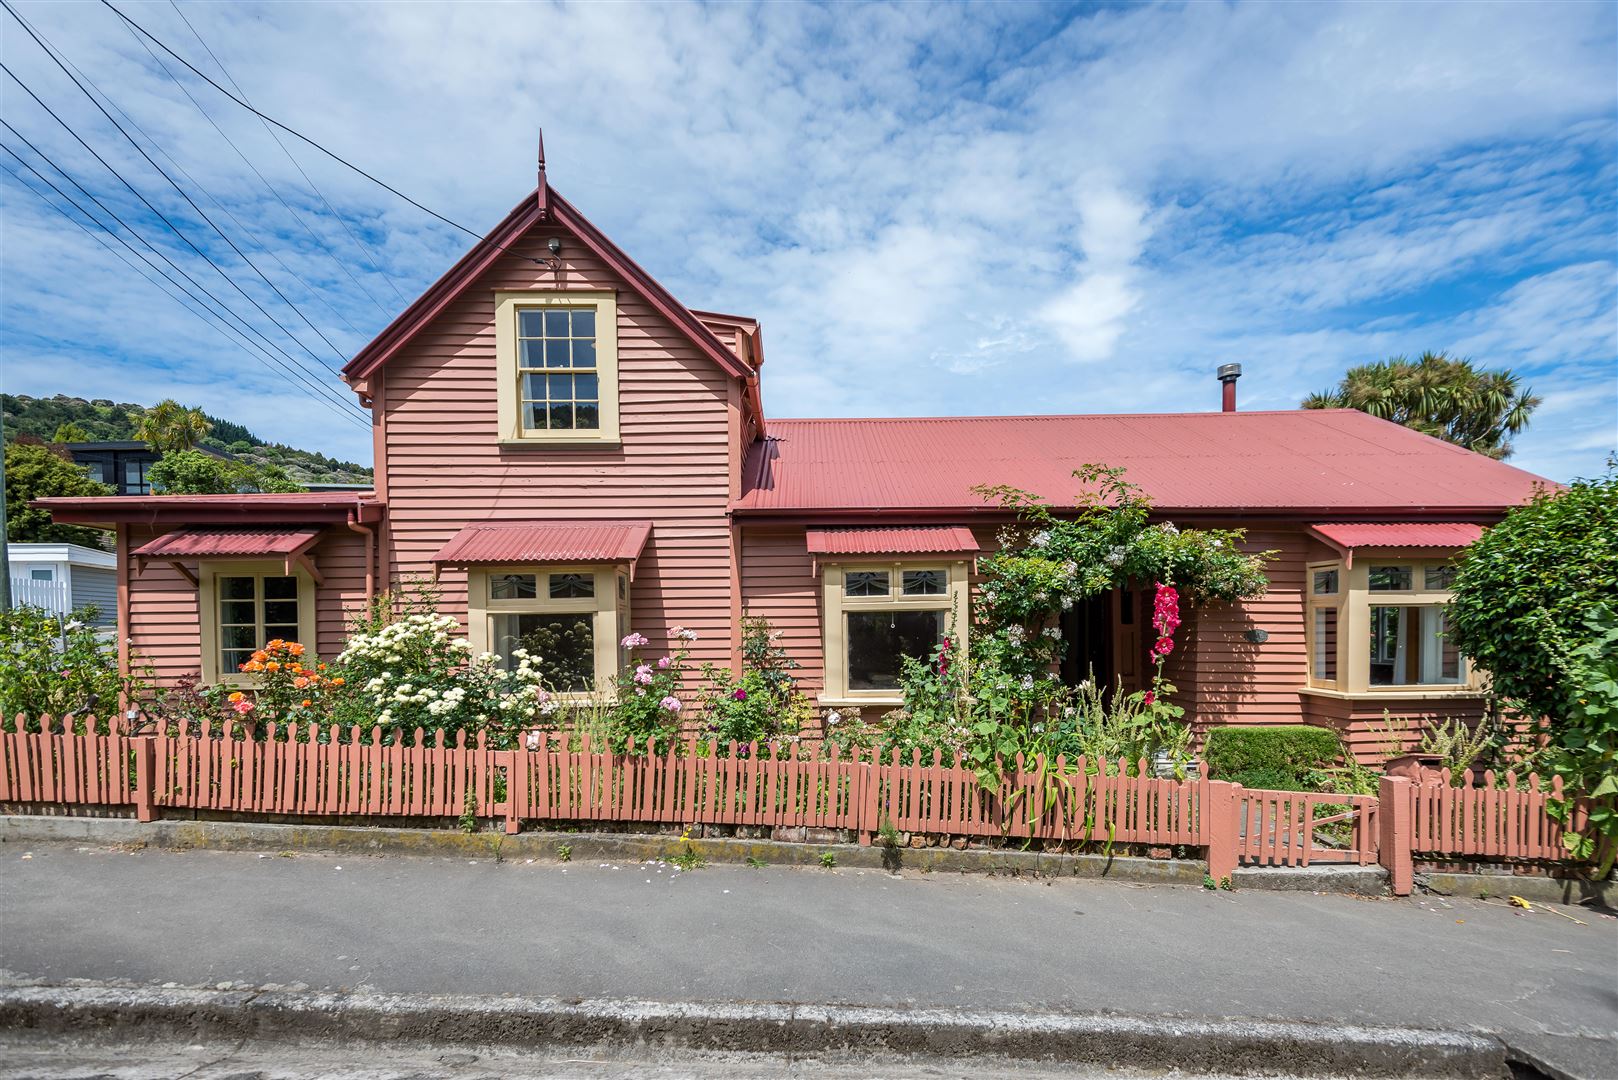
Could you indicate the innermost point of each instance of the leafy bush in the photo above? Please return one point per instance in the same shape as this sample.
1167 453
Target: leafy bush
649 702
35 471
61 667
1119 726
1524 591
413 672
764 702
192 472
1588 738
1267 757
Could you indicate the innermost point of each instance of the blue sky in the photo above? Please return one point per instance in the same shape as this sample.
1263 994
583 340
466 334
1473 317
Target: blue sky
933 209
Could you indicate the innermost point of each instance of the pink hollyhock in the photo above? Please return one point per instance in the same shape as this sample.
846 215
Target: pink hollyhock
1164 646
1149 698
1166 609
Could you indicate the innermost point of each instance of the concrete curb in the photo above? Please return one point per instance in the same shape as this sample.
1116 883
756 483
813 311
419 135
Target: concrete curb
585 847
1237 1047
1602 895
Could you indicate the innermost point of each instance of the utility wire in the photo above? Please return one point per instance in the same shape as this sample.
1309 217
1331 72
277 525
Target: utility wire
340 263
211 319
312 377
363 247
181 169
317 376
182 193
306 378
301 136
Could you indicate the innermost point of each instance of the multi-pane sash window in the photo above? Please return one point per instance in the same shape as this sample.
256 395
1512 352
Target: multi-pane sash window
254 609
556 357
245 605
877 616
566 620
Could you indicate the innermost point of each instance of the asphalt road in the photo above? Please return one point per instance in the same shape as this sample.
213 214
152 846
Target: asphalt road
429 925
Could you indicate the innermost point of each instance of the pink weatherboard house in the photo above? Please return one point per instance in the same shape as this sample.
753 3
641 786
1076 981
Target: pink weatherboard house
574 455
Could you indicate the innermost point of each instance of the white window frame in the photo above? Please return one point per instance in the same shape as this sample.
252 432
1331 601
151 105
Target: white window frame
208 574
1354 602
507 307
608 608
836 607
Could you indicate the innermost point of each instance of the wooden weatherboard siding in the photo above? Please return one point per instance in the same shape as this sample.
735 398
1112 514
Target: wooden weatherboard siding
443 466
165 622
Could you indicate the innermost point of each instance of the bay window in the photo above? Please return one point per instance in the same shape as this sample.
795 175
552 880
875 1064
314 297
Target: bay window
877 615
1380 626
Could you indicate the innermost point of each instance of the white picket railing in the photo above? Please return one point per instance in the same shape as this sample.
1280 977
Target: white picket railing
53 596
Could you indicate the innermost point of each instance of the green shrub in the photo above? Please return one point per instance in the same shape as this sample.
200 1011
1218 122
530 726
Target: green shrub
1279 757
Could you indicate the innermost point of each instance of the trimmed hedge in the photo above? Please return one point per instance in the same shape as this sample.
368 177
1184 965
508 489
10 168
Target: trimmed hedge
1276 758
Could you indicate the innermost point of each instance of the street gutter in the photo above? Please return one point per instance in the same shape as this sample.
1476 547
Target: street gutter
1234 1047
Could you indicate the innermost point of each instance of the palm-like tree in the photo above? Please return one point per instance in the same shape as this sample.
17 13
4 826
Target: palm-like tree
1439 395
168 425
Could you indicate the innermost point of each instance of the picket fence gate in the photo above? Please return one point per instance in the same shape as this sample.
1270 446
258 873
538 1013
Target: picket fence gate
331 770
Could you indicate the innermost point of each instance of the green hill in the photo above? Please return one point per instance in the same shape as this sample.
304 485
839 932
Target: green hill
101 419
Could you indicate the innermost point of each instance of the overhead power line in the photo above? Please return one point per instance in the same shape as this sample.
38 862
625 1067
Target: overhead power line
304 138
181 169
290 131
175 292
358 243
317 377
49 51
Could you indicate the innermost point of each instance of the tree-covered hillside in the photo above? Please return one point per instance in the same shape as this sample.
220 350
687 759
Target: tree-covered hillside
101 419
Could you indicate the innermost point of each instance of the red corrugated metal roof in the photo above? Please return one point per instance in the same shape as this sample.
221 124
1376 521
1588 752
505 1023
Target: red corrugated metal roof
257 507
1303 459
919 540
227 543
1438 535
546 542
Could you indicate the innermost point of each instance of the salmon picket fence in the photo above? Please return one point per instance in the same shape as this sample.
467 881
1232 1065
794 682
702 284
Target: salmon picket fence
62 767
375 773
1505 821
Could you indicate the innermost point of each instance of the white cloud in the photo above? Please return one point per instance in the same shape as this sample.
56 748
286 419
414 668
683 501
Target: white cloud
932 208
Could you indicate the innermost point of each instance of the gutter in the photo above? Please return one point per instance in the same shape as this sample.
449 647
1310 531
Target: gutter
369 534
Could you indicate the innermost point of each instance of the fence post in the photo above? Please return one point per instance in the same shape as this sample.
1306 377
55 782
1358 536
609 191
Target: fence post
145 797
1224 828
1394 818
870 798
516 788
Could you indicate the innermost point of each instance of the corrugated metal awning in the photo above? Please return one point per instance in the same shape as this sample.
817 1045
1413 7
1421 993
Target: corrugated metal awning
1405 536
907 540
514 542
289 545
228 543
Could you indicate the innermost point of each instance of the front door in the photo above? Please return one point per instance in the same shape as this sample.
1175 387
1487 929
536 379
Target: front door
1104 643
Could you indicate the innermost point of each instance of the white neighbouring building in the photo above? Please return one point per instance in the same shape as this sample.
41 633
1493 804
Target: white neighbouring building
62 578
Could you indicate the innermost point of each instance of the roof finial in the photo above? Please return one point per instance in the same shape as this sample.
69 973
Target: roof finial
544 187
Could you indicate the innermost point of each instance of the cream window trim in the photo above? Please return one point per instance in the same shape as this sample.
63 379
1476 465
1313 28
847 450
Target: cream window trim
835 608
608 608
507 306
208 574
1353 603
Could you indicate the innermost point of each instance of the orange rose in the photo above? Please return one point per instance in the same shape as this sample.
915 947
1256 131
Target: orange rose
261 656
306 703
300 682
272 666
237 696
296 649
337 681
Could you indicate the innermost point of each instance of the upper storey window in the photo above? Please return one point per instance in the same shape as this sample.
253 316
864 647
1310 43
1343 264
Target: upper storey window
557 356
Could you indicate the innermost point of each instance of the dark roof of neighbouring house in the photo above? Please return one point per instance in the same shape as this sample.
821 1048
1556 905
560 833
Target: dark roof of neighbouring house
1336 461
